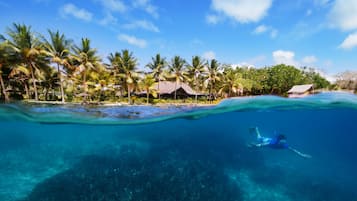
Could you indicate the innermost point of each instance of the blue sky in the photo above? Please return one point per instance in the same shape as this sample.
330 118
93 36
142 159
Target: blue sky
315 33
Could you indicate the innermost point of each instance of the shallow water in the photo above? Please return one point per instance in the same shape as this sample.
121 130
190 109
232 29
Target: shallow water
75 153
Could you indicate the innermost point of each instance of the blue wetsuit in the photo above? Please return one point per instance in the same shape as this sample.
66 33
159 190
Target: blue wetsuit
274 142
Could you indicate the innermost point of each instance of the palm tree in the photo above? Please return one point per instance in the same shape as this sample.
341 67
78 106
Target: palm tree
195 70
231 82
86 60
128 70
49 80
178 71
19 76
147 84
3 63
58 50
213 75
115 60
157 67
27 48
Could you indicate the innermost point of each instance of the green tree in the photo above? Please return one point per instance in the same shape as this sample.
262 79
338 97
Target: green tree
115 60
196 69
49 80
57 48
213 75
128 70
312 76
147 84
4 61
231 82
27 47
157 67
178 71
86 60
283 77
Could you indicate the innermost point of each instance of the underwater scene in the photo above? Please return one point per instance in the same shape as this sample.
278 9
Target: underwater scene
142 153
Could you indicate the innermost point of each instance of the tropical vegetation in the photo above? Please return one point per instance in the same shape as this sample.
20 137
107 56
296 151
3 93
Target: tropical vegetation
56 68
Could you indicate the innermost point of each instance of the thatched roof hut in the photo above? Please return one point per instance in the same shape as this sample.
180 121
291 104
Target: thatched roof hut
298 91
167 89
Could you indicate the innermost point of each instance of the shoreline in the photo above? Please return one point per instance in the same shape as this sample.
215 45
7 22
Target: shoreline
122 104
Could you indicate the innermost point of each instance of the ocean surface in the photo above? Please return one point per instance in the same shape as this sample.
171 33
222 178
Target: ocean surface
142 153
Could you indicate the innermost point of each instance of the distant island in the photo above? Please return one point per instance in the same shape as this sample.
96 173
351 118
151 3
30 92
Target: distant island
56 69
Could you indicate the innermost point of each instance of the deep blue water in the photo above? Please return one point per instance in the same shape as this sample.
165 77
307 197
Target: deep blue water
74 153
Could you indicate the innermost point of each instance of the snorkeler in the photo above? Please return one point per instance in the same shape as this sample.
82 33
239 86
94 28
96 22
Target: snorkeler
277 142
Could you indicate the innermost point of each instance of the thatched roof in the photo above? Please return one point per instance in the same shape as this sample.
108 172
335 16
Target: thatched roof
298 89
167 87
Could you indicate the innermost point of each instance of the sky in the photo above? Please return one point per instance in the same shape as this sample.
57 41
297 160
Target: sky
314 33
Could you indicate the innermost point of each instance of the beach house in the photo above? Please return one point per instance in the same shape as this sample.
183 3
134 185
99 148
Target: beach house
299 91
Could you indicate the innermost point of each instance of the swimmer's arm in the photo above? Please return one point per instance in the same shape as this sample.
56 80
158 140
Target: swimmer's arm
299 153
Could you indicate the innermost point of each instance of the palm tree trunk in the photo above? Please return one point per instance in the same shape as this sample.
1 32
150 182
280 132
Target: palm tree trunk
27 90
158 88
175 88
46 94
3 89
61 83
129 100
33 81
147 96
211 92
196 88
84 84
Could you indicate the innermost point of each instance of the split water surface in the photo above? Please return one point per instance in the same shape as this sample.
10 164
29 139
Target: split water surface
77 153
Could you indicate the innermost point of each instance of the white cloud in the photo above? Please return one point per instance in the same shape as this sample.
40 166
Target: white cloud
142 24
324 74
132 40
147 6
285 57
79 13
243 64
108 19
263 29
212 19
251 62
260 29
309 60
113 5
350 42
343 14
209 55
243 11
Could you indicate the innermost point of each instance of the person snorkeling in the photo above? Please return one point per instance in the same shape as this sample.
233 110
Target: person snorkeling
277 142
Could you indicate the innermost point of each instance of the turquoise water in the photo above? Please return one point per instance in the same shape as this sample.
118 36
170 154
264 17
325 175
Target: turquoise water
76 153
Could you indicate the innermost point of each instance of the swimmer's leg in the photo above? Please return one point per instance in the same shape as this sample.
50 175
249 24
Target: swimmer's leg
255 130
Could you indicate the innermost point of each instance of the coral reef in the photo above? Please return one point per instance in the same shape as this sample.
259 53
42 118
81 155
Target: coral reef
133 174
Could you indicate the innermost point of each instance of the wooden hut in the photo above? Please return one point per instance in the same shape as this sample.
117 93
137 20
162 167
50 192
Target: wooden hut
299 91
166 89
